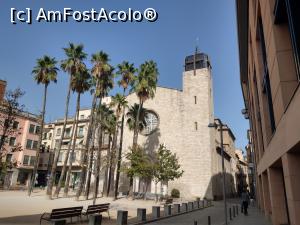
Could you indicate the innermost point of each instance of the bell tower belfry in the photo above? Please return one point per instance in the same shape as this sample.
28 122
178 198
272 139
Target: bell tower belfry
198 140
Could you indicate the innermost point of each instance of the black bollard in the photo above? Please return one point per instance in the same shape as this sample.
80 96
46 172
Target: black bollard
122 217
95 219
184 207
141 214
195 222
60 222
155 212
233 208
190 206
167 210
176 208
237 210
230 216
208 220
196 204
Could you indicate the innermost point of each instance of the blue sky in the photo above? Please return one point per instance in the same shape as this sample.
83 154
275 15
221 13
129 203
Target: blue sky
167 41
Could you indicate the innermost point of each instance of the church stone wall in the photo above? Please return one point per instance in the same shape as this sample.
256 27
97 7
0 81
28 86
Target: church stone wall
193 143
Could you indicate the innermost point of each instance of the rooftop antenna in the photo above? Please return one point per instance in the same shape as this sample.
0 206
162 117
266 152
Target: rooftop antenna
196 51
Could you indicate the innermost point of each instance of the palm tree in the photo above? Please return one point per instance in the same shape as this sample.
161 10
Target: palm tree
133 113
80 84
73 63
108 123
119 103
44 73
127 72
102 72
144 87
100 61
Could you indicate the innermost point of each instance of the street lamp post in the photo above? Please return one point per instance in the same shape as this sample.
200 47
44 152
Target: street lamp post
220 125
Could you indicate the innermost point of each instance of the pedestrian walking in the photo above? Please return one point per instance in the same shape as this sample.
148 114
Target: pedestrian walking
245 202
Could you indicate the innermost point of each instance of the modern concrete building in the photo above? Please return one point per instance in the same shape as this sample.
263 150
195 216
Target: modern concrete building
269 48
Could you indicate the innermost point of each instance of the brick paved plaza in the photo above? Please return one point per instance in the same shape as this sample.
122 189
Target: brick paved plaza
16 209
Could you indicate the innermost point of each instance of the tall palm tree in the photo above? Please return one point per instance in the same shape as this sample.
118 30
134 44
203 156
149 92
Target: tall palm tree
80 84
127 72
102 72
100 67
73 63
118 102
144 87
108 125
133 113
44 73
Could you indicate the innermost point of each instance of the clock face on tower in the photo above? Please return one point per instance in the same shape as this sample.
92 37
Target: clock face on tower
152 123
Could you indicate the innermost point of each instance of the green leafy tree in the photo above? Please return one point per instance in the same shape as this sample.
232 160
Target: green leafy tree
44 73
141 164
167 167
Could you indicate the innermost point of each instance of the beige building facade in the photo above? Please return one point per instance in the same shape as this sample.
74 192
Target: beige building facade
269 47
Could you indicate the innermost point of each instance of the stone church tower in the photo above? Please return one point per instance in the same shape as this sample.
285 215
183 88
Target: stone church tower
196 153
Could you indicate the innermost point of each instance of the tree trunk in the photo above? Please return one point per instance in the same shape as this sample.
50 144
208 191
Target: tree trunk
97 167
91 152
36 163
64 169
134 143
120 153
136 127
119 157
112 164
156 196
56 155
66 188
87 147
98 158
107 167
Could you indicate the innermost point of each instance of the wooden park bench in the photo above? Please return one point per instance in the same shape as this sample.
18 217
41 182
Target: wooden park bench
62 213
97 209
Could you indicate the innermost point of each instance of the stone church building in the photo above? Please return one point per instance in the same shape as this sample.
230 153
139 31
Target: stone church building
179 119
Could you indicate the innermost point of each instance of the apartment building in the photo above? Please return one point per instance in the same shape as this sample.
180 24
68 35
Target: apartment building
269 51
